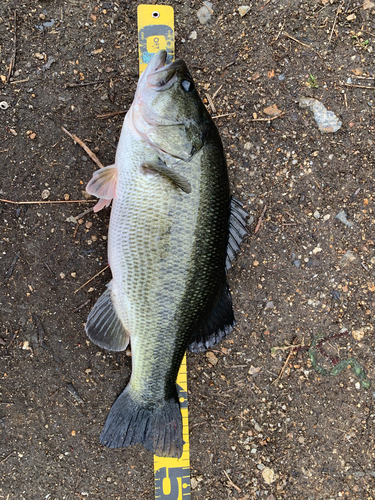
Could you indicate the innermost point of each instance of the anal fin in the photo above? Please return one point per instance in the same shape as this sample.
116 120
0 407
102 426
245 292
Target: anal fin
218 326
104 327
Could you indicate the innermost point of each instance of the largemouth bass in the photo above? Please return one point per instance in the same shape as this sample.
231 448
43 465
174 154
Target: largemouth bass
173 231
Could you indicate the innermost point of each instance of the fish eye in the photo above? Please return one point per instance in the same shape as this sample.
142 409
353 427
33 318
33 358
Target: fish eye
187 85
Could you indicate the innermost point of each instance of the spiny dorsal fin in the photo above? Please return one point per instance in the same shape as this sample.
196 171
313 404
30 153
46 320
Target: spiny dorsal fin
104 327
161 168
103 185
218 326
237 230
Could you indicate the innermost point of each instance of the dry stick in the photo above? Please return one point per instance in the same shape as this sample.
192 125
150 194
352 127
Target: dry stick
217 91
83 145
83 84
109 115
359 86
260 219
268 119
279 33
237 488
13 60
334 23
301 43
283 368
6 458
226 114
210 101
96 275
20 81
50 202
79 216
228 65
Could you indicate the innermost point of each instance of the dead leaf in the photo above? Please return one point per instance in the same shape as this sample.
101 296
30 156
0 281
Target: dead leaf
255 76
253 370
357 71
271 73
367 4
212 358
272 110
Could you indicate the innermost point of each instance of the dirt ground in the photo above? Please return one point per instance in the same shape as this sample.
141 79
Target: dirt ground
302 273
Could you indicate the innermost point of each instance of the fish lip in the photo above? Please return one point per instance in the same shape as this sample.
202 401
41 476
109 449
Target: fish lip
164 75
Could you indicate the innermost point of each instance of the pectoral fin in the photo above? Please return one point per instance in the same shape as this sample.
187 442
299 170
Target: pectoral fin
103 185
161 168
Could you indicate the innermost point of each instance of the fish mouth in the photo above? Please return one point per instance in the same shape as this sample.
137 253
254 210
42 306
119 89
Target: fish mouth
161 76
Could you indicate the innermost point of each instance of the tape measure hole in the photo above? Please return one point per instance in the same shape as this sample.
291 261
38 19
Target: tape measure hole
155 14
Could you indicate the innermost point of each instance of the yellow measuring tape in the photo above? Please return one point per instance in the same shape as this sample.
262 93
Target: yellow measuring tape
172 475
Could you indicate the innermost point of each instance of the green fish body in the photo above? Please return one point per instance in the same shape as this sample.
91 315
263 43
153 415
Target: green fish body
171 237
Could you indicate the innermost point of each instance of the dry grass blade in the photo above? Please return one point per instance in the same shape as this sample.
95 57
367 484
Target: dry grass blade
44 202
96 275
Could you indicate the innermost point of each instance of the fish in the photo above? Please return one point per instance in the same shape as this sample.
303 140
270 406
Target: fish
174 230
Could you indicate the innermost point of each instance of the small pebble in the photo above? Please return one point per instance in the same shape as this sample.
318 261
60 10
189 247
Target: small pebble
297 263
45 194
341 216
243 10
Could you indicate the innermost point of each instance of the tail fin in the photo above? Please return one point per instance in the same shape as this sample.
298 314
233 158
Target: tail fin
159 429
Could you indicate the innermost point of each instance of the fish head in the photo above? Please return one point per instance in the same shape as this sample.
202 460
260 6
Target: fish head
167 110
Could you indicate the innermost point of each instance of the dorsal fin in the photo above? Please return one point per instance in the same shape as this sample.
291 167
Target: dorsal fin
237 230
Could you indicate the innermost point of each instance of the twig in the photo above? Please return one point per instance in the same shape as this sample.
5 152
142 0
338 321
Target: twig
109 115
96 275
83 84
228 65
283 368
210 101
266 3
268 119
81 306
260 219
237 488
79 216
279 33
217 91
39 202
6 458
226 114
285 347
83 145
9 273
359 86
301 43
334 23
20 81
13 59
